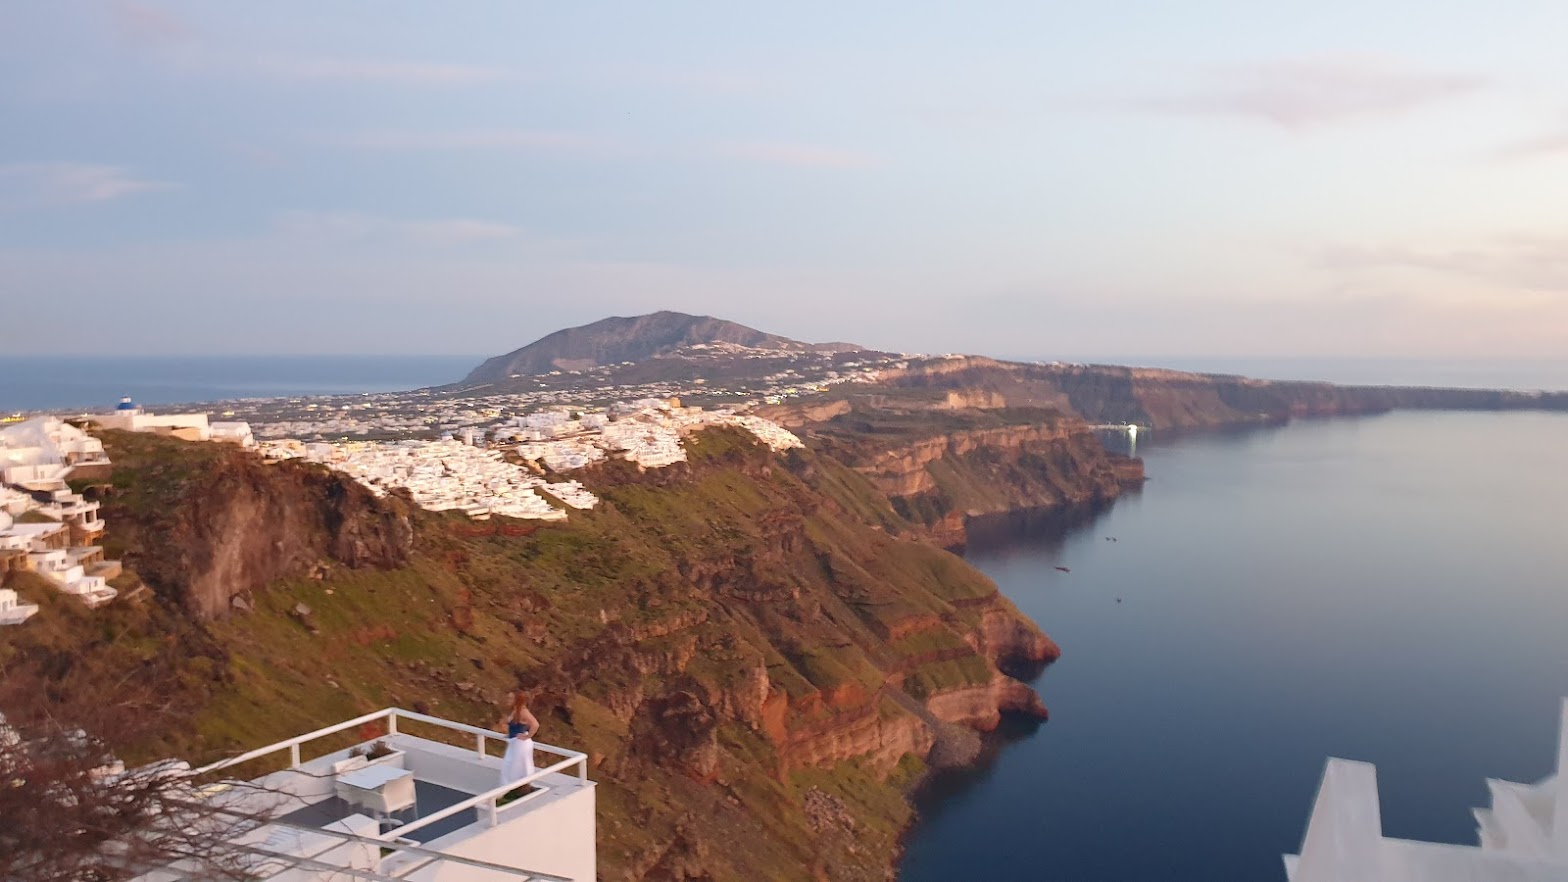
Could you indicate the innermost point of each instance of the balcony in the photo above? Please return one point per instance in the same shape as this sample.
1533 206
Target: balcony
462 824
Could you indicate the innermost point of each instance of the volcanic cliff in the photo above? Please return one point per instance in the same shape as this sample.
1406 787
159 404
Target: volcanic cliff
751 647
1166 399
947 457
213 523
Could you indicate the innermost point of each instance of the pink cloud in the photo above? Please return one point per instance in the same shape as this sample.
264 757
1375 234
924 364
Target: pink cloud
1533 263
1550 144
343 226
471 139
800 155
69 183
144 23
1300 93
395 72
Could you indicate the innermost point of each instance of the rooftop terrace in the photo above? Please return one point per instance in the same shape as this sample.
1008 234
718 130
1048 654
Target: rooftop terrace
300 818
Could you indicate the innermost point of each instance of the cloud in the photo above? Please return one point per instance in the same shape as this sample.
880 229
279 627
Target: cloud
163 35
328 227
407 73
799 155
146 24
698 81
1554 143
473 139
796 155
1303 93
1516 263
69 183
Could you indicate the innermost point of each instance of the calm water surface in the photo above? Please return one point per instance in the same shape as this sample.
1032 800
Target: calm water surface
1391 589
86 382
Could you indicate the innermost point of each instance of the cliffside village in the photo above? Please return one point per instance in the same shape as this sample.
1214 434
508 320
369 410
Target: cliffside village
44 526
512 467
501 470
49 529
760 377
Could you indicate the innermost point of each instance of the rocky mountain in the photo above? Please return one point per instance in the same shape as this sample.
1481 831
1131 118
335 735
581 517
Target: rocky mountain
618 339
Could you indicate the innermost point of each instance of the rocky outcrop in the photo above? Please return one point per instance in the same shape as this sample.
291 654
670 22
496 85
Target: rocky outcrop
204 535
806 413
878 736
981 707
947 459
1012 641
679 730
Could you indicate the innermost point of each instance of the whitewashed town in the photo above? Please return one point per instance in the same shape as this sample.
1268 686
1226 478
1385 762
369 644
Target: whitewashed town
510 466
502 470
44 526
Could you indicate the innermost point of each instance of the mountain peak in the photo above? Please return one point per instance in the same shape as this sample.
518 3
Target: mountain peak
632 338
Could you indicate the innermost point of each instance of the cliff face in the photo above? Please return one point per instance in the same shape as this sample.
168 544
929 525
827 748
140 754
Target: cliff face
736 641
944 481
202 524
957 454
1175 399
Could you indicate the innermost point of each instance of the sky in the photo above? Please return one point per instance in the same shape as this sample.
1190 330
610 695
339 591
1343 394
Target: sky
1207 178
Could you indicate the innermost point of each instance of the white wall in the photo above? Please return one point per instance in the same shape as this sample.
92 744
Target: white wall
141 422
553 834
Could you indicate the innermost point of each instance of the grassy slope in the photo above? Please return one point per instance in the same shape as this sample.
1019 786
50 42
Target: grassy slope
683 580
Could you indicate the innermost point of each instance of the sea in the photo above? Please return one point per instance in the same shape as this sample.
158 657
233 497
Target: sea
75 383
29 383
1391 589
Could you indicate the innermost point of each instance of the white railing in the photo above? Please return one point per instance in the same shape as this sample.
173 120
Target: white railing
486 801
418 856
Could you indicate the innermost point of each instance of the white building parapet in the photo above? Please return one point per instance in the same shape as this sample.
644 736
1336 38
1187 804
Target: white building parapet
1523 836
12 610
298 827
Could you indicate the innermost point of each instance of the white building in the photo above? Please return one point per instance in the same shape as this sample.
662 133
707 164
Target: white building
234 432
1523 837
12 610
428 811
129 417
60 541
443 476
37 454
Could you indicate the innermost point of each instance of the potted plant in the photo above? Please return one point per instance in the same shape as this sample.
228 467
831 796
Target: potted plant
381 752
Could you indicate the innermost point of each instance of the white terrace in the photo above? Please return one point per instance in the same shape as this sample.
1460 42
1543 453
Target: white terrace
429 811
1523 836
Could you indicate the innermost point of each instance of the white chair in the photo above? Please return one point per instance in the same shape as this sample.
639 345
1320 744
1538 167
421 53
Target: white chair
379 789
395 796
